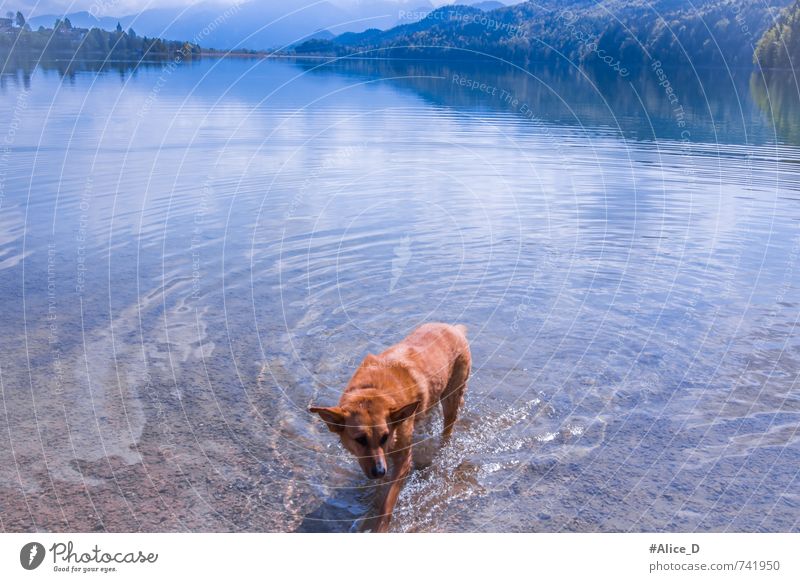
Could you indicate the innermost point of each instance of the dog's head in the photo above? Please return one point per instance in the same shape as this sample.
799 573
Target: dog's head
366 428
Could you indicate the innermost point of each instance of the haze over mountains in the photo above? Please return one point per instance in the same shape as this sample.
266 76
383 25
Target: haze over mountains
257 24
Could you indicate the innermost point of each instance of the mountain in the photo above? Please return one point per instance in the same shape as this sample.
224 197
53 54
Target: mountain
78 19
253 24
325 35
618 33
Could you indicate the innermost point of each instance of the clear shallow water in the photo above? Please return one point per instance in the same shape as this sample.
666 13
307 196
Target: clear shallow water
189 257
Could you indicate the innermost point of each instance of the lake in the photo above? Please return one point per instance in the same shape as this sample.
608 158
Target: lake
192 255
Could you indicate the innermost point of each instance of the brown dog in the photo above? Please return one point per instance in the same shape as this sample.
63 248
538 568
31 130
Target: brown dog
375 415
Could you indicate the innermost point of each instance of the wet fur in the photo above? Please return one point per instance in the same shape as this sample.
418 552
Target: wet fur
384 396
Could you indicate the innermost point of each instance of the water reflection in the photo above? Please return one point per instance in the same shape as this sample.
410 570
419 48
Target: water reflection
636 105
18 67
778 96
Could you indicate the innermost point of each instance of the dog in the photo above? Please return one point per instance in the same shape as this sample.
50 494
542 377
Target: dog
376 412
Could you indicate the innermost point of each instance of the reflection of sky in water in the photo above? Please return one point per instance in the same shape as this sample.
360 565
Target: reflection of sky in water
250 229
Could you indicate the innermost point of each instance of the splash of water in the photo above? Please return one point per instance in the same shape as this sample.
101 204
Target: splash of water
458 471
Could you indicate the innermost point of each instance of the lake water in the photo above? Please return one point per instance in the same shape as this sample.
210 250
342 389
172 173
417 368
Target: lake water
191 255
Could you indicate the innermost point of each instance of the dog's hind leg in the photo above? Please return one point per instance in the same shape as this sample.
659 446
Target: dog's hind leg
453 395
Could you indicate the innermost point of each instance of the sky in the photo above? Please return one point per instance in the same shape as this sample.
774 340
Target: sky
125 7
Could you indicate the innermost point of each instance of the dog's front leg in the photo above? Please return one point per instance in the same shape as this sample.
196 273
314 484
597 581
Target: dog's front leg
401 466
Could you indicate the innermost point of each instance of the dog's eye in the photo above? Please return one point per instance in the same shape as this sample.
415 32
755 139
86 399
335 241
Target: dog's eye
384 438
362 440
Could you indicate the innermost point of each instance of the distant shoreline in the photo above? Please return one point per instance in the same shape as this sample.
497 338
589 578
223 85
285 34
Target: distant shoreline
486 59
6 58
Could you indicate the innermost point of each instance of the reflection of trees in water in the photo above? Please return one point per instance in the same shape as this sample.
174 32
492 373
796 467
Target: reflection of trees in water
19 67
637 104
777 93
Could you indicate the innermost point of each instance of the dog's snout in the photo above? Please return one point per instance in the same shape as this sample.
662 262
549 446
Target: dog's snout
378 471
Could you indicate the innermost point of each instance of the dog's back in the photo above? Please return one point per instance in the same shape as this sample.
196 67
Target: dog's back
432 352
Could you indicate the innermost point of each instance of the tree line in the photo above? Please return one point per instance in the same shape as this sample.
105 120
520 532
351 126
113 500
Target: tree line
66 40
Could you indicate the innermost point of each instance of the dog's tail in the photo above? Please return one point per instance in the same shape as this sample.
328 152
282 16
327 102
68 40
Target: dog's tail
462 328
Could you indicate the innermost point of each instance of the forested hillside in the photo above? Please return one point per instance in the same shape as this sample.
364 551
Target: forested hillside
779 47
680 32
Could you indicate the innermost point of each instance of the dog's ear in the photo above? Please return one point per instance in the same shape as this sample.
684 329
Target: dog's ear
401 414
333 416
